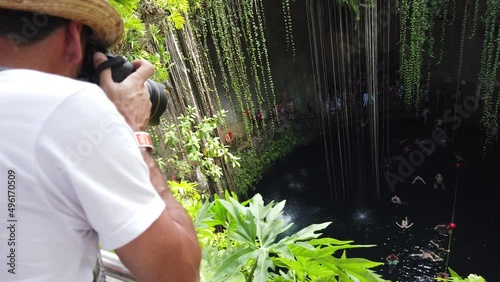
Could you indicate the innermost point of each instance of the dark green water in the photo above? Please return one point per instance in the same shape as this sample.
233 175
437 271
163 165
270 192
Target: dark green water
301 180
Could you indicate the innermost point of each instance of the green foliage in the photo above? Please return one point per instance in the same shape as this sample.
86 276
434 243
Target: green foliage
125 7
195 144
476 16
254 163
417 28
127 10
290 43
141 41
237 33
356 5
134 27
176 10
252 250
187 195
456 278
490 63
314 261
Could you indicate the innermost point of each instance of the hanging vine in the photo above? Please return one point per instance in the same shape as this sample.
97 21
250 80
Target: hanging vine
404 9
490 62
444 24
266 65
417 28
475 18
245 15
290 43
462 46
237 33
434 8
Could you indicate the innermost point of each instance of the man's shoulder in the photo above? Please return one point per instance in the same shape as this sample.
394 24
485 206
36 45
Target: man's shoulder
32 76
49 90
46 82
48 95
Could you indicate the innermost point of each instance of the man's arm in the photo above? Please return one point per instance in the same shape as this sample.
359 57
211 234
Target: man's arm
168 250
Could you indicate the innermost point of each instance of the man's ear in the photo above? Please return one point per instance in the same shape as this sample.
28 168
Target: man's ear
73 43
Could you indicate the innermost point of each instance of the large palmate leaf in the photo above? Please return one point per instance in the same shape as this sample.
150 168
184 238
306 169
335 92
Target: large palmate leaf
204 217
253 229
352 269
222 265
242 225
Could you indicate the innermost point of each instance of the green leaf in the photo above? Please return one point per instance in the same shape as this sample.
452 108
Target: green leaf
229 263
177 19
244 230
310 231
128 6
264 263
203 216
328 241
354 263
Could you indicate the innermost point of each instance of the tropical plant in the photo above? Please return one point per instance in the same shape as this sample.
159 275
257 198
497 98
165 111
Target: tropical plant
456 278
193 143
254 252
188 196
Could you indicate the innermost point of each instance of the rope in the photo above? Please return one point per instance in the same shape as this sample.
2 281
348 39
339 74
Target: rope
457 97
453 215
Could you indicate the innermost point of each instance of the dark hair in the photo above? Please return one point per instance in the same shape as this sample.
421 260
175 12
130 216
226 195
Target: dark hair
24 28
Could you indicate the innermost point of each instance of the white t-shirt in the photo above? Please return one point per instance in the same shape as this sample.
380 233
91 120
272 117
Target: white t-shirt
76 177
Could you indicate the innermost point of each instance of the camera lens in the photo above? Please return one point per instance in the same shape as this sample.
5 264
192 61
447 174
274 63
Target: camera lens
159 100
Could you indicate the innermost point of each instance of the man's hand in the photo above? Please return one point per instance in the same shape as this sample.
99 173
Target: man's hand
131 96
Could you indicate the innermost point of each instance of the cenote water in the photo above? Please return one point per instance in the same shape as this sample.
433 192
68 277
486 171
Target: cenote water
301 180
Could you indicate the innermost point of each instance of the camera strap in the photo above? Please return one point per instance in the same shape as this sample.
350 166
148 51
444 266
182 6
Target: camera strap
111 63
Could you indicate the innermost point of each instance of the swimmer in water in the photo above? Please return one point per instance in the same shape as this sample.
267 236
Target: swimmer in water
427 255
440 249
392 261
443 229
439 181
418 178
395 199
404 224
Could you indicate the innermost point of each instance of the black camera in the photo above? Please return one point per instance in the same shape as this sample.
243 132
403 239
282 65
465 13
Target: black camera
121 69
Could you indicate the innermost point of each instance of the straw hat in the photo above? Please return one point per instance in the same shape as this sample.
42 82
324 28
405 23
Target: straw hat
99 15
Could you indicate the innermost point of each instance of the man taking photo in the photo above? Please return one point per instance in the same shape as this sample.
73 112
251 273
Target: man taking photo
76 167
